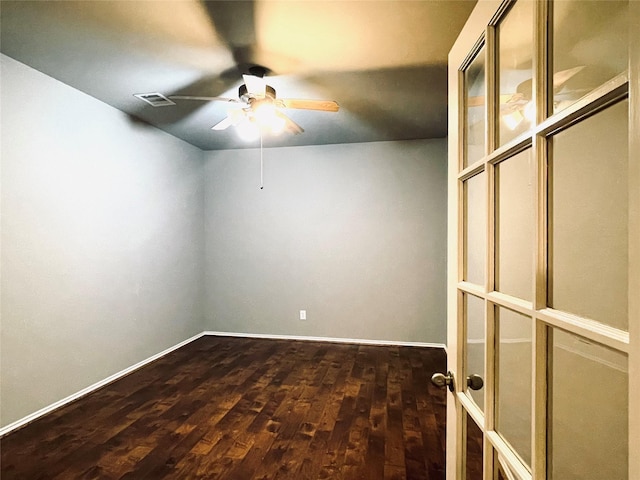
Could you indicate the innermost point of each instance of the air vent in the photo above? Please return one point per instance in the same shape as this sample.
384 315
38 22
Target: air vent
154 99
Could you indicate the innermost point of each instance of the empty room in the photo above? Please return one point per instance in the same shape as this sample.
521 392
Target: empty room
287 239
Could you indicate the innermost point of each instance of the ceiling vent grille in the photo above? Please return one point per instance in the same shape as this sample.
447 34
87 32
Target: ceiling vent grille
154 99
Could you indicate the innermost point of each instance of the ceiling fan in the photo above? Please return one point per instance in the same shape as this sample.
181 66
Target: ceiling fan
257 110
517 106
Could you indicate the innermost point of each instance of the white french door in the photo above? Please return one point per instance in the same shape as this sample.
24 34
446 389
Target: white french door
544 239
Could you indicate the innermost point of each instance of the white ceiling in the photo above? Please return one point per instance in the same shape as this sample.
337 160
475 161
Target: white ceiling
384 62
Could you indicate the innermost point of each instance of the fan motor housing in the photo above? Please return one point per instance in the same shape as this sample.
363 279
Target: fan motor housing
270 92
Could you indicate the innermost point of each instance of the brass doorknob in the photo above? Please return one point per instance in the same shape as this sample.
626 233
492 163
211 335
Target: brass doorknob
442 380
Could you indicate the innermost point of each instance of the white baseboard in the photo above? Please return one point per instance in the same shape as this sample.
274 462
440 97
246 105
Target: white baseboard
360 341
91 388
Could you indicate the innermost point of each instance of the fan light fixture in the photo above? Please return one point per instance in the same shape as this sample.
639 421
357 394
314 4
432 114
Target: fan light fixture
513 119
516 117
248 130
262 119
266 115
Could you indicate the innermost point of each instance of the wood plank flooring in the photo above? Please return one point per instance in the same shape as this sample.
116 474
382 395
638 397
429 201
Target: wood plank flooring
249 409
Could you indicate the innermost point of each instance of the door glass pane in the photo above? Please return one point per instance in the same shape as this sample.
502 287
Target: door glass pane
588 402
474 81
588 201
474 448
513 414
475 339
474 228
590 47
515 226
515 72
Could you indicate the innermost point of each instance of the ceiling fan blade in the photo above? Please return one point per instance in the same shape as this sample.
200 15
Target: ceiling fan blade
559 80
290 125
475 101
203 99
223 124
504 98
256 86
301 104
234 117
563 76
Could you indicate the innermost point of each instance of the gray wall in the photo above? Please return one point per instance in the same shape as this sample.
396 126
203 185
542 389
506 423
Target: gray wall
102 241
354 234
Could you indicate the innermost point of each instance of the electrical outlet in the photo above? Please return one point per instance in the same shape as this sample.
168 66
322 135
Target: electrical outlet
303 314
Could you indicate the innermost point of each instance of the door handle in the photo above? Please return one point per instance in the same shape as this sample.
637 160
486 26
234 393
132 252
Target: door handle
442 380
475 382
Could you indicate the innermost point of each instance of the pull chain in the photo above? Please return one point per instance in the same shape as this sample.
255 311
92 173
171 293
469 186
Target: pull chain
261 165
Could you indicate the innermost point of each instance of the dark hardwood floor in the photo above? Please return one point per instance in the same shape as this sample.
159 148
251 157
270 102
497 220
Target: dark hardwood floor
242 409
